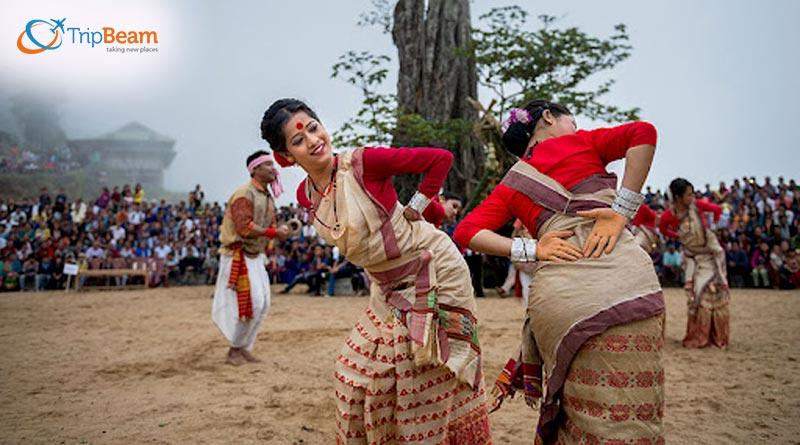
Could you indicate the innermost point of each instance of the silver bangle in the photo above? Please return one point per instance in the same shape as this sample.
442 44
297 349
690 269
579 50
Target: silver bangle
523 250
631 198
624 211
419 202
627 202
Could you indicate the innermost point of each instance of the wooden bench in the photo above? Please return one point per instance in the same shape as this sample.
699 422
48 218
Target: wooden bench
145 273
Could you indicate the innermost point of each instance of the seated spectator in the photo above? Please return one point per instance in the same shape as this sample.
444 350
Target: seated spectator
738 265
162 249
312 276
776 260
341 268
44 274
10 274
96 251
359 281
210 264
277 265
58 279
759 264
792 270
143 250
189 257
672 263
30 268
171 268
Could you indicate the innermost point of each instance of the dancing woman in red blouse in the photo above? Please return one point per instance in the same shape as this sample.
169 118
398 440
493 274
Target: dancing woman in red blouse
595 314
410 370
704 266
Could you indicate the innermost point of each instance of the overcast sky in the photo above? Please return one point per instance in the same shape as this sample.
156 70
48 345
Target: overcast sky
718 78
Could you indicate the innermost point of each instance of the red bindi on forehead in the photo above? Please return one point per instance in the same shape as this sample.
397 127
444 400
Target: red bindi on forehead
299 125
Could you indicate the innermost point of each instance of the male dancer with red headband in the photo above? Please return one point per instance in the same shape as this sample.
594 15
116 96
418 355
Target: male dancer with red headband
242 295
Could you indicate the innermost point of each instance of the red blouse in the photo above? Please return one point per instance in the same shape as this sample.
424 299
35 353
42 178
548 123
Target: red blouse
669 223
568 159
381 163
645 217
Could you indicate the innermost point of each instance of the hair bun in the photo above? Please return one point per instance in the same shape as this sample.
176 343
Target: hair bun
516 138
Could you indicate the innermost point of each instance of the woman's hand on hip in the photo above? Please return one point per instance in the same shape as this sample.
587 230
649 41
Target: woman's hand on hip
607 227
553 247
411 214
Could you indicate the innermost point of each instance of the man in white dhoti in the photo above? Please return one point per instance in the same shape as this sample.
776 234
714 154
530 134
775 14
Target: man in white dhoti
242 294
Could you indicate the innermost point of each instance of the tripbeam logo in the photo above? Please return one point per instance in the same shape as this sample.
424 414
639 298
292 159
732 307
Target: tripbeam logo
42 35
34 32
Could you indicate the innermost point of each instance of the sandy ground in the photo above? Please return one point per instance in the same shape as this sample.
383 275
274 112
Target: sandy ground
146 367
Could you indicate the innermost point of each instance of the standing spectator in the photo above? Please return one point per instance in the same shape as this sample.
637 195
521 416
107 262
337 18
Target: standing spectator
60 205
44 198
196 197
138 194
104 199
116 198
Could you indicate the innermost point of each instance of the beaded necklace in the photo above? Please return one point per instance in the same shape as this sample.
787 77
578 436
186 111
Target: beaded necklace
330 187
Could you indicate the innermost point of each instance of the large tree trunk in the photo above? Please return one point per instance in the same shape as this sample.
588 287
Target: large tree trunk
435 81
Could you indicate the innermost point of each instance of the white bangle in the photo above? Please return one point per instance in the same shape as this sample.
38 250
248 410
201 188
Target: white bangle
523 250
419 202
627 202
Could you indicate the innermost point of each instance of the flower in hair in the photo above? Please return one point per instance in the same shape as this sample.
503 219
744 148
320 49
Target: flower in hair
517 115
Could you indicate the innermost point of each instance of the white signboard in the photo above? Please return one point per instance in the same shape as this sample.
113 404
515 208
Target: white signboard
70 269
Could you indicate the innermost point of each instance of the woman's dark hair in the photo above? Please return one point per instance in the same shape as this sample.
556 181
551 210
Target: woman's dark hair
450 195
678 187
275 118
254 156
516 137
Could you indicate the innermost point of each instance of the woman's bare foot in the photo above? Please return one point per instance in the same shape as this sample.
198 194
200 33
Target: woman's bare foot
235 357
248 356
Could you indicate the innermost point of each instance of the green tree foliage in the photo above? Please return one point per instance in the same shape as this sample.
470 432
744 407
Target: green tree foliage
520 65
375 122
515 62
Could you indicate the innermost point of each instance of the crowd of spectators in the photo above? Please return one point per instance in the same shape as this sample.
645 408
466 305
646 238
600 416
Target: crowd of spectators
27 161
121 229
758 229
